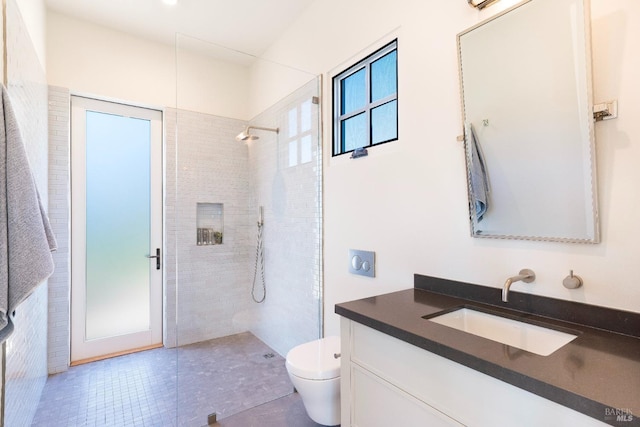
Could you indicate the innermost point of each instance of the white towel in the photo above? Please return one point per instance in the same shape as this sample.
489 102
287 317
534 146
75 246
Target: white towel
26 238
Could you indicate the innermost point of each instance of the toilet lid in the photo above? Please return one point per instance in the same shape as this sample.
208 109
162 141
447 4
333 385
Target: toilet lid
315 360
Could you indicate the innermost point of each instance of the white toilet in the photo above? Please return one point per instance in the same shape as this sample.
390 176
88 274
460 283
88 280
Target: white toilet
314 371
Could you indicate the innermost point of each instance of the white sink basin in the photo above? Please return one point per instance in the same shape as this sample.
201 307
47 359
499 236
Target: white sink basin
536 339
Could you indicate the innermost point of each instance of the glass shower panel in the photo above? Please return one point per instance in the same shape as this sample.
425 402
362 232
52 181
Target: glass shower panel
117 158
231 350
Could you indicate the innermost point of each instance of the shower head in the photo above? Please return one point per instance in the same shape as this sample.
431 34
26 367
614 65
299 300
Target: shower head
247 136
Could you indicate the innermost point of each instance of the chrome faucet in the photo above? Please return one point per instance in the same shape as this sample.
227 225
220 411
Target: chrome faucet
526 275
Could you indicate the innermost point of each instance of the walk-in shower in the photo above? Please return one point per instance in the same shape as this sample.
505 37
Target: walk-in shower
211 289
222 353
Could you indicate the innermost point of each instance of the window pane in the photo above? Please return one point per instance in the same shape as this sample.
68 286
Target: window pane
353 92
384 122
384 79
354 133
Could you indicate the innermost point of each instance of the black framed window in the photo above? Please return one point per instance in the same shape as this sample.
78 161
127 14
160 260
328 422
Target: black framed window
365 102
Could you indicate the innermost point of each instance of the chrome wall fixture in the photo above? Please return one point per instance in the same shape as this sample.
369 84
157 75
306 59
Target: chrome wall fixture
572 281
480 4
526 275
246 135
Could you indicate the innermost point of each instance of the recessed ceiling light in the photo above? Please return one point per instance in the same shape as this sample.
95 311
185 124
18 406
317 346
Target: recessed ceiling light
170 2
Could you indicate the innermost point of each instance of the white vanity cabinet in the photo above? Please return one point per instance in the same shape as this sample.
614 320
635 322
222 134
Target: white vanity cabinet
376 402
386 381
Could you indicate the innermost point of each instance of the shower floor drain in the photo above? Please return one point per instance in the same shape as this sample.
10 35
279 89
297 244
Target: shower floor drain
268 355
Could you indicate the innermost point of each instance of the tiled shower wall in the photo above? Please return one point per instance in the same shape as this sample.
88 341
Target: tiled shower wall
212 280
282 173
286 180
59 193
26 361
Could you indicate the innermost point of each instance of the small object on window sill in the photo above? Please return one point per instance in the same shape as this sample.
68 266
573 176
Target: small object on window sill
359 152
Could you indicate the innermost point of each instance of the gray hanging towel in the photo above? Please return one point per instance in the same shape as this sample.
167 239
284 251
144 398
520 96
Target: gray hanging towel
26 238
478 176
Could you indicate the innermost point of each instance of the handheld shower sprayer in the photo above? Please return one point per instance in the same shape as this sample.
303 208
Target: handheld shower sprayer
259 261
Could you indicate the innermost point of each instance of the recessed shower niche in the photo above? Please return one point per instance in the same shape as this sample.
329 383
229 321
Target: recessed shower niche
210 223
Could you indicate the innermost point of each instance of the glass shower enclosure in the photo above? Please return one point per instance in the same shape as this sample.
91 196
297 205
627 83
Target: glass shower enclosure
243 221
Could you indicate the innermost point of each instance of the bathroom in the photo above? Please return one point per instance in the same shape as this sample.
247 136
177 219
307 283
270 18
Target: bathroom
410 203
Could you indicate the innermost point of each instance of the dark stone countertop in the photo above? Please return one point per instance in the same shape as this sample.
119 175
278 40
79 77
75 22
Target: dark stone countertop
597 374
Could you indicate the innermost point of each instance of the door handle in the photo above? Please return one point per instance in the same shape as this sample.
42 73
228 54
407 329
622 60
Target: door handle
157 257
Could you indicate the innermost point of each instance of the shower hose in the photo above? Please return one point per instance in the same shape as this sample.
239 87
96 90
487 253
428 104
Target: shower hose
259 263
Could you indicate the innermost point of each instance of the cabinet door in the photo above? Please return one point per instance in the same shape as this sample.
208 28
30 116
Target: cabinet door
377 403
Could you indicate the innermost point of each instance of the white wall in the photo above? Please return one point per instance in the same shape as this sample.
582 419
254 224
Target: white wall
269 82
89 59
34 14
93 60
407 201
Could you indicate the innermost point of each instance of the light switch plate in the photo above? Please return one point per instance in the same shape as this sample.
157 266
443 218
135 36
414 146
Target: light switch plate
362 262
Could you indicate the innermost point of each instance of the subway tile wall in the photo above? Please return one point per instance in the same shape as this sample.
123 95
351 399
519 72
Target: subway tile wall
59 217
281 172
285 172
26 360
211 280
169 324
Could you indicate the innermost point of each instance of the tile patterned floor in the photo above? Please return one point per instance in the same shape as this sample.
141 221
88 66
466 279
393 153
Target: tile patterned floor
287 411
227 376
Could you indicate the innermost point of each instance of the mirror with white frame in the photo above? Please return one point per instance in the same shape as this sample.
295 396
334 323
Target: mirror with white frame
528 123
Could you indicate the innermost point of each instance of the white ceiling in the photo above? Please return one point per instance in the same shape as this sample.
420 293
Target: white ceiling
249 26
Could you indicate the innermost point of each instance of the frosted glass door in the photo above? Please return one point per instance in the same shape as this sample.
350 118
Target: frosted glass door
114 201
117 159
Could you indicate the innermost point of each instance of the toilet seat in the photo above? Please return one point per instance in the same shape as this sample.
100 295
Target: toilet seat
315 360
